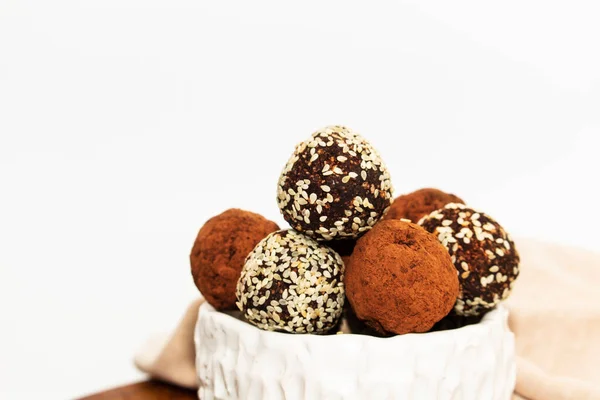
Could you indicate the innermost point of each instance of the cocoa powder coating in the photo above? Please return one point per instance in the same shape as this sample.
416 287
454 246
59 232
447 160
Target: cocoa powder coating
400 279
219 252
414 206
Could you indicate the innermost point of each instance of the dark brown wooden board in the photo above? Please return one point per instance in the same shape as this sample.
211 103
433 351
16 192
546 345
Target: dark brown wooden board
151 390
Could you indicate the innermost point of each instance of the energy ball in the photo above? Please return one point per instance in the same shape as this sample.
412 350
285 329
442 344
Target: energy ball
482 252
219 251
292 283
334 186
400 279
416 205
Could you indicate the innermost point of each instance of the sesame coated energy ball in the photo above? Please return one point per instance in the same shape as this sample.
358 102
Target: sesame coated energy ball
482 252
414 206
219 251
334 186
292 283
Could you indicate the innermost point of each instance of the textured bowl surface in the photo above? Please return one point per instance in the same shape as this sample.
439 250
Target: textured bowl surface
236 360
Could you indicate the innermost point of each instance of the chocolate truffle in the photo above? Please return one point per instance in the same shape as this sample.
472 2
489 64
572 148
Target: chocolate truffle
219 252
416 205
400 279
334 186
482 252
292 283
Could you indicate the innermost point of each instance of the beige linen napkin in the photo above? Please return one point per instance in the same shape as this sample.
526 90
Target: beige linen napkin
171 358
554 313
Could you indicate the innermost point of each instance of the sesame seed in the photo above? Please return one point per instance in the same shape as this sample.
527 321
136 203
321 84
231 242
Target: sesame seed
489 227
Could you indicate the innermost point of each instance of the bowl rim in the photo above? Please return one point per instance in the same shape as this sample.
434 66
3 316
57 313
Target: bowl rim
496 316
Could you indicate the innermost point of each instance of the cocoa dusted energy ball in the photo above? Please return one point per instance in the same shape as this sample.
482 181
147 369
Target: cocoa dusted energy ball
400 279
482 252
334 186
292 283
416 205
219 252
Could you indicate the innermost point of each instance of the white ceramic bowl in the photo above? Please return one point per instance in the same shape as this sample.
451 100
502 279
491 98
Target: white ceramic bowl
235 360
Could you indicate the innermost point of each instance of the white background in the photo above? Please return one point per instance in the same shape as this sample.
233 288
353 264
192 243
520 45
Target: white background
125 124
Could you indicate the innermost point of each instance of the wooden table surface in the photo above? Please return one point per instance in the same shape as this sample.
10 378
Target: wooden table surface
153 390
